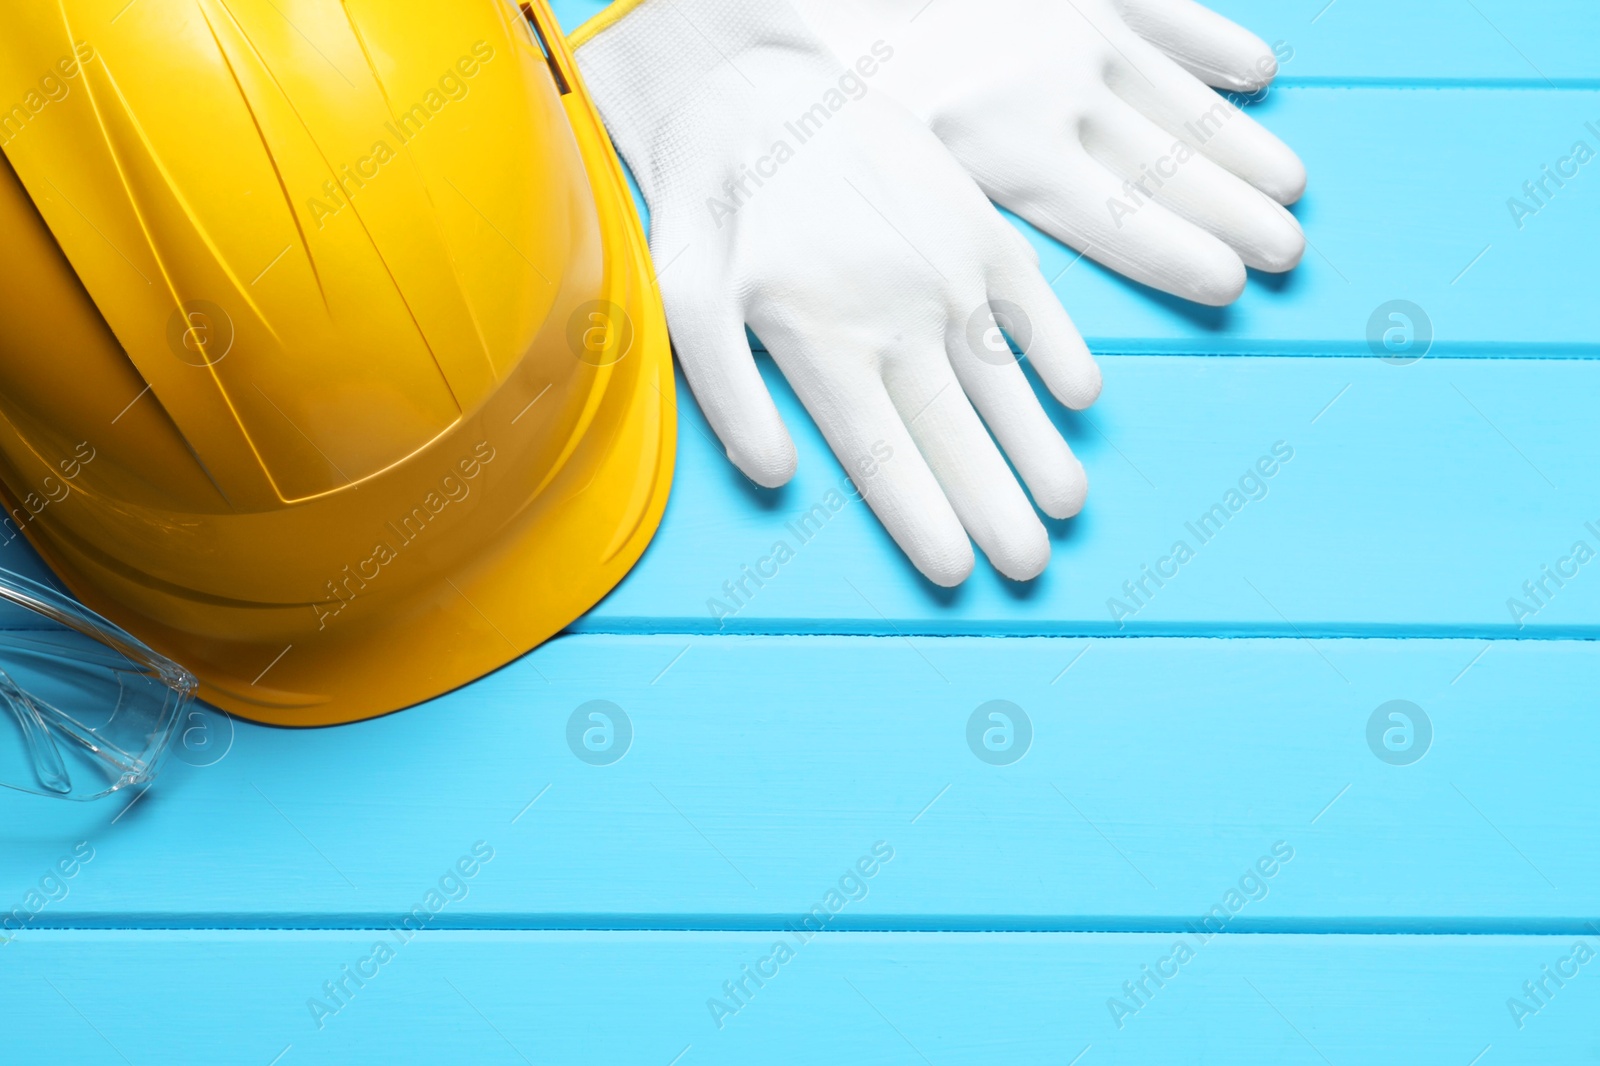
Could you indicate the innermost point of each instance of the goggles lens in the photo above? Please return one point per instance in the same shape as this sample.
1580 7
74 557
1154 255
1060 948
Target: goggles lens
85 708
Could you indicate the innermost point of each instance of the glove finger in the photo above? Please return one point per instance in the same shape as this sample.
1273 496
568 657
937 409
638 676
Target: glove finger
1219 52
1255 226
1173 99
994 382
872 443
980 488
1067 193
1022 303
714 352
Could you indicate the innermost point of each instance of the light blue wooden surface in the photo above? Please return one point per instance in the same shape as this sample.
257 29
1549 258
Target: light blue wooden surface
1416 504
761 767
1538 43
883 998
773 748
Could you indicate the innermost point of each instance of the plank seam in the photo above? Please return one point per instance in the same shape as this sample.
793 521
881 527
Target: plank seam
655 627
1352 927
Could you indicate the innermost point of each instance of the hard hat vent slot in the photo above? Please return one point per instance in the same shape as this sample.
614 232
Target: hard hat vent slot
544 46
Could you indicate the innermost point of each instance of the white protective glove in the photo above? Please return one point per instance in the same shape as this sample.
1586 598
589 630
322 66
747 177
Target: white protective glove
1089 119
787 192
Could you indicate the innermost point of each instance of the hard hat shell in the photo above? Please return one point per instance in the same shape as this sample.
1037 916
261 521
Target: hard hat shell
332 366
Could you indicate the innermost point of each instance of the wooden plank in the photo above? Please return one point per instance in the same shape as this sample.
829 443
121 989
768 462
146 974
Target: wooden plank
1351 41
1490 280
501 997
760 770
1408 199
1419 500
1538 44
1486 263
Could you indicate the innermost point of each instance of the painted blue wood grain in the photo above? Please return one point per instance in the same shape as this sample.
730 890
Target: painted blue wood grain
1419 499
1408 199
511 998
1351 41
760 770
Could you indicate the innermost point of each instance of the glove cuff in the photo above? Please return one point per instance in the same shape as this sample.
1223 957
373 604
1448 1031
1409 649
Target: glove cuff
667 77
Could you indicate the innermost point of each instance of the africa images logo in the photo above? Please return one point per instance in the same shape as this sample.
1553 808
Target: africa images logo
351 179
401 532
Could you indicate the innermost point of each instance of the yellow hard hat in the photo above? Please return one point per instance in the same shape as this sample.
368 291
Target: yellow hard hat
331 363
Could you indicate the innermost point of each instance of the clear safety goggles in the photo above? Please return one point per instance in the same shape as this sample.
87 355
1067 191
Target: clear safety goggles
85 708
